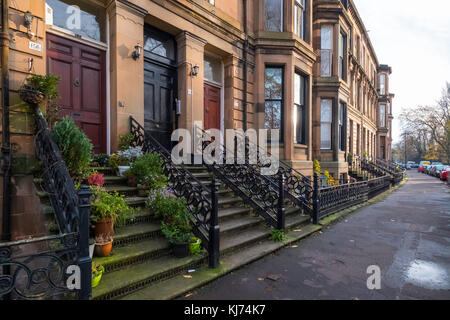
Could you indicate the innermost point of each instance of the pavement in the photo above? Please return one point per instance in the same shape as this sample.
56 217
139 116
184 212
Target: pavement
405 237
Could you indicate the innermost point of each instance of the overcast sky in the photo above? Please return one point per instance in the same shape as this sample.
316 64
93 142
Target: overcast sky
413 37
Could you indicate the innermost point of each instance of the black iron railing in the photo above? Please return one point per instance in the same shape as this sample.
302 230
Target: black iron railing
263 194
378 185
336 198
298 188
40 268
204 210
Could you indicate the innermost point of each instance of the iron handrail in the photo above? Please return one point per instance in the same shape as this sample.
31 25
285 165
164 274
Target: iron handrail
204 212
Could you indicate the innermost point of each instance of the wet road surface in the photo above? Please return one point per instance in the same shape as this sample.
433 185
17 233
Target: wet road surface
407 236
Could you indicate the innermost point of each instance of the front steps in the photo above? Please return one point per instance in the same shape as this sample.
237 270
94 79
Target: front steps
141 261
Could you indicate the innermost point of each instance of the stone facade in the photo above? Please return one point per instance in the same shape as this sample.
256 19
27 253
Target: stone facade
249 39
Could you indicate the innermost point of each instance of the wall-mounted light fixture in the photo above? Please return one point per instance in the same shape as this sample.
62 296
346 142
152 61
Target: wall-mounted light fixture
28 22
194 70
137 51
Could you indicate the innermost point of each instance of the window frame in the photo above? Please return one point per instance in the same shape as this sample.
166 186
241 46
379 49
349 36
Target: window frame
300 6
329 123
281 17
302 108
281 67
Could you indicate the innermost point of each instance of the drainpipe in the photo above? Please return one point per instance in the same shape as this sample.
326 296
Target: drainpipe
6 143
245 63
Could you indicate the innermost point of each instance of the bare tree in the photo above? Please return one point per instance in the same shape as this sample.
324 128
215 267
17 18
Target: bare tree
431 121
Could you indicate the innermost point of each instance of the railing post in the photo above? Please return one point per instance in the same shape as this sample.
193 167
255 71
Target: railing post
316 203
84 260
214 230
281 217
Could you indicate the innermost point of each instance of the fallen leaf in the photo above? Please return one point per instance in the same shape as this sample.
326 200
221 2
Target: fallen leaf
188 295
260 279
188 277
297 230
294 246
273 277
352 240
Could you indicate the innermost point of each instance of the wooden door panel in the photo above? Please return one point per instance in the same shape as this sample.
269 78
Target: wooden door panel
82 87
211 107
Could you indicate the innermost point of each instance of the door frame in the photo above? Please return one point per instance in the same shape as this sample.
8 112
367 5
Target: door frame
66 34
221 86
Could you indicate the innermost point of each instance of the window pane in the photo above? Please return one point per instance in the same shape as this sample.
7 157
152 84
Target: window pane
274 83
274 15
90 24
273 115
325 136
297 86
326 110
326 38
158 44
212 69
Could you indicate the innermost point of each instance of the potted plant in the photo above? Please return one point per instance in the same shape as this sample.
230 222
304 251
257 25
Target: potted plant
97 272
175 224
194 245
146 172
96 179
75 148
125 141
103 245
106 210
101 159
39 87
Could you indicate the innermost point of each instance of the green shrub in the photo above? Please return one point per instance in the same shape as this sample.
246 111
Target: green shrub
149 171
75 147
125 141
176 222
46 84
109 205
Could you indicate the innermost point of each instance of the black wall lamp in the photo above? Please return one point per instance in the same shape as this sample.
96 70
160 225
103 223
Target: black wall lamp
137 51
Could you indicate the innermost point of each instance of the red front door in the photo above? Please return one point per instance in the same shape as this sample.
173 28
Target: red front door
82 87
212 107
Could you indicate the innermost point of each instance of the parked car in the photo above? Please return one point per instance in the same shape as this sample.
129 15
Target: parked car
445 173
427 168
436 170
422 164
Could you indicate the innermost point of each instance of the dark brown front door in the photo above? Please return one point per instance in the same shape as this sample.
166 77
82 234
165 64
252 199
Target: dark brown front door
212 107
82 86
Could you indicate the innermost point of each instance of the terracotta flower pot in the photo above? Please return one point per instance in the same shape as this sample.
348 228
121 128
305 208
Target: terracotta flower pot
104 227
103 250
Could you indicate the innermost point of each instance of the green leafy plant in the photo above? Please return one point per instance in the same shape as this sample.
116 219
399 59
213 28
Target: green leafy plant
125 141
75 148
277 235
46 84
116 160
175 224
109 205
148 171
350 158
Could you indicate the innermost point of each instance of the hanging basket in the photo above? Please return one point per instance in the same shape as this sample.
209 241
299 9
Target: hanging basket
31 95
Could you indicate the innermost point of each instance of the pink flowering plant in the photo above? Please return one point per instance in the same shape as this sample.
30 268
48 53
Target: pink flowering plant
96 179
158 200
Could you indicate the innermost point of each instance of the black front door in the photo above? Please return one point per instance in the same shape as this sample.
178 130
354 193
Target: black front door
160 80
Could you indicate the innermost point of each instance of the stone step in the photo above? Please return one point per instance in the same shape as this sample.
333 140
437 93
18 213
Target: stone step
126 255
179 285
115 180
135 233
239 224
232 212
105 170
126 190
119 283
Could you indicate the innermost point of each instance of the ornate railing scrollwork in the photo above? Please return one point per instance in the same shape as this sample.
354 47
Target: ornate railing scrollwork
37 268
203 210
